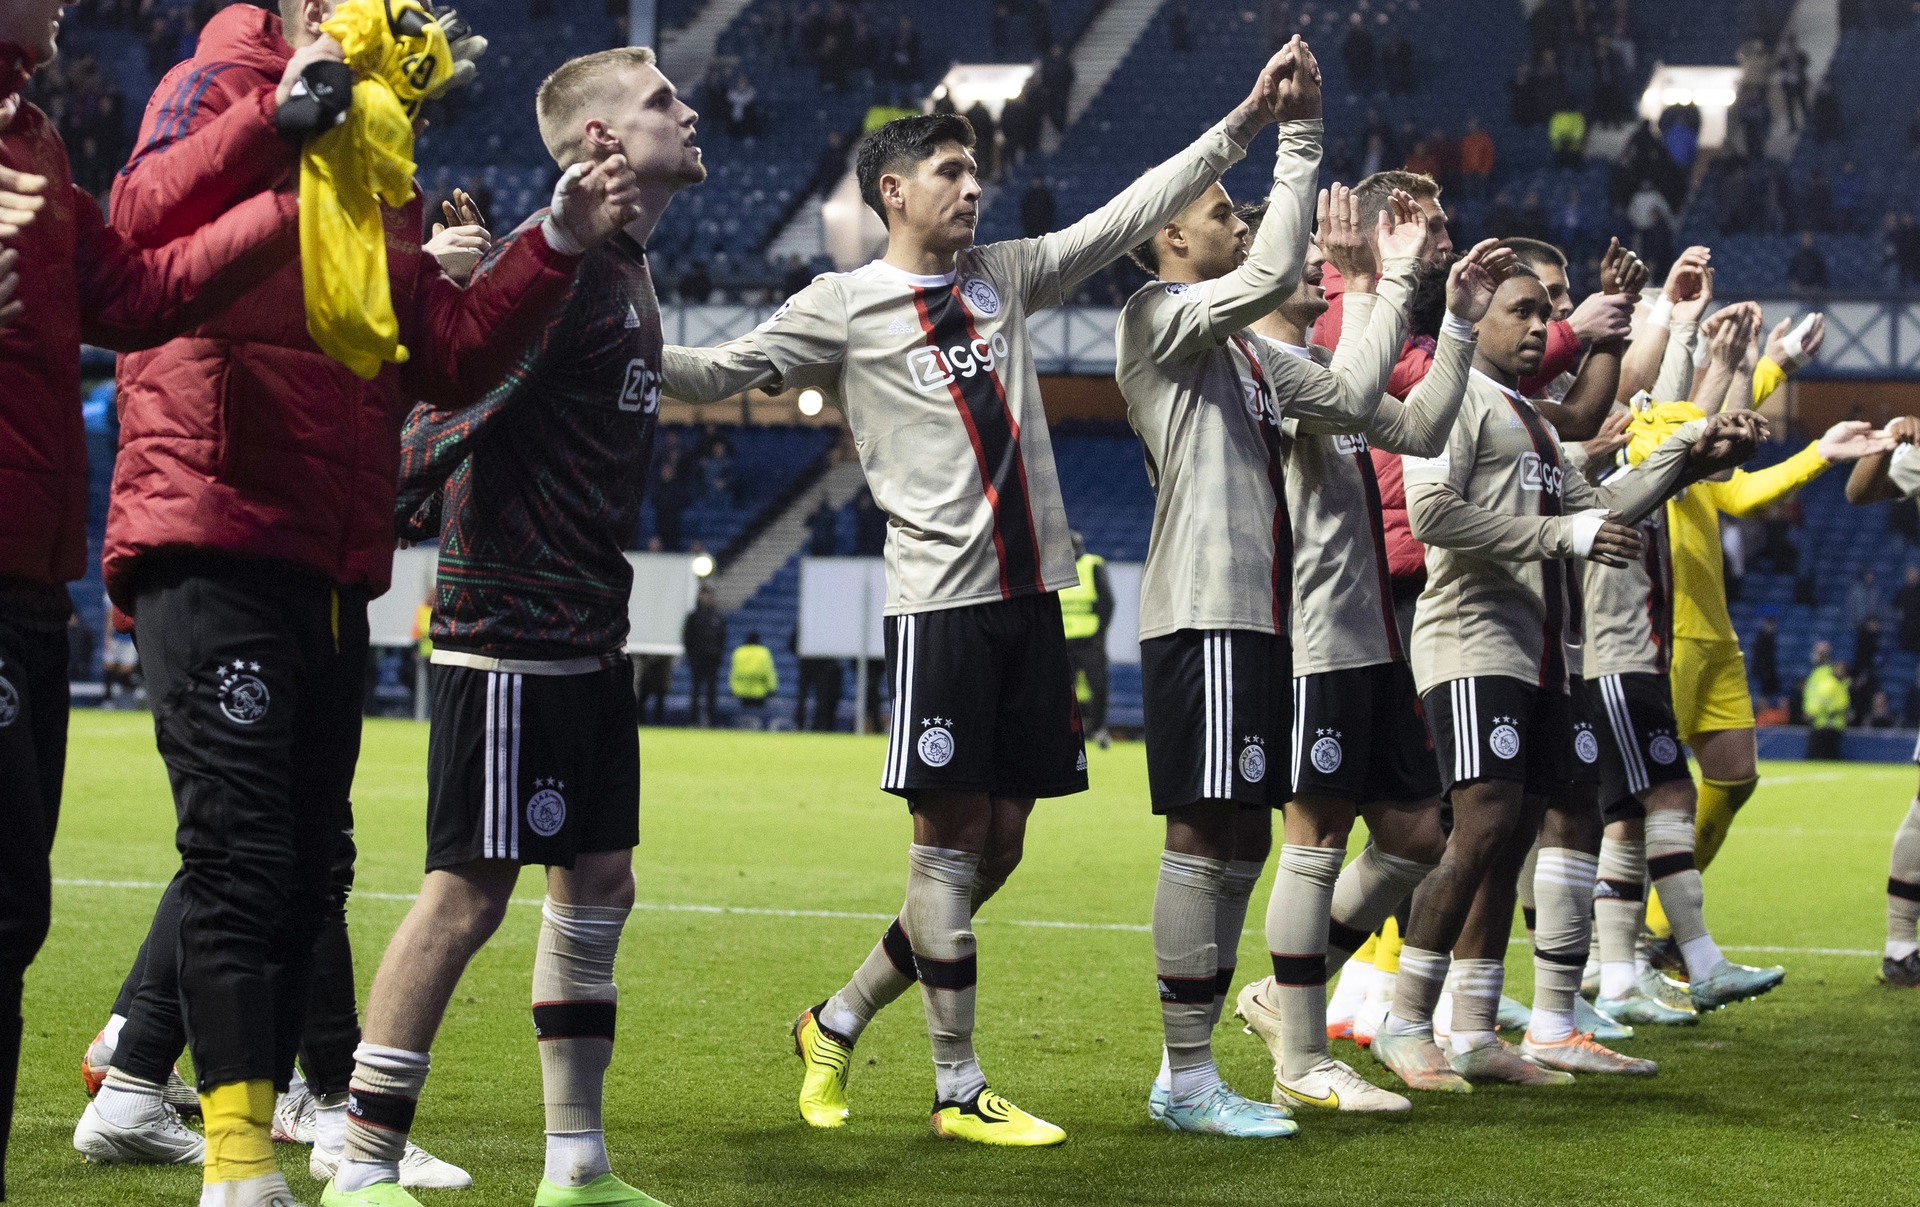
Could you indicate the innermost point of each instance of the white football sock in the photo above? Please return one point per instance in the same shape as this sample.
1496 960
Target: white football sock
250 1192
330 1122
1903 887
127 1101
576 1158
1702 956
1165 1078
1195 1082
1422 973
1476 1002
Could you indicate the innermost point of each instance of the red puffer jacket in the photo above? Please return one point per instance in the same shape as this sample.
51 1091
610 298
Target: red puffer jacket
80 280
243 437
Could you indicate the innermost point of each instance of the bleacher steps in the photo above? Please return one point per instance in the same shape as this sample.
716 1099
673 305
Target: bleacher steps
784 537
804 235
685 52
1097 55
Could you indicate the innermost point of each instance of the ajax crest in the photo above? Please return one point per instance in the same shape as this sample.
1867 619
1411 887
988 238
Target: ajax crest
1663 750
1326 753
1586 745
981 296
9 704
1253 763
936 743
547 811
1504 741
243 697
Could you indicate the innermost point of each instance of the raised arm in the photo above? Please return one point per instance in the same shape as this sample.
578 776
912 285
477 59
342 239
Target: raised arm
1222 306
1850 440
1289 85
1421 425
809 331
132 297
1579 417
1646 355
1870 481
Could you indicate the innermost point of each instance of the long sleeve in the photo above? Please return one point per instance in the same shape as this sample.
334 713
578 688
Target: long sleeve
1634 495
1272 269
1343 397
1675 380
190 169
1420 425
1439 515
1065 258
1767 377
810 330
133 298
1746 493
468 338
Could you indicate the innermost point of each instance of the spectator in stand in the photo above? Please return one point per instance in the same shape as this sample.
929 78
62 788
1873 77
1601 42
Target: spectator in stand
1866 646
711 93
1020 124
1056 86
1823 700
717 472
796 277
869 526
670 496
1682 141
1863 600
1910 706
1612 87
652 679
1766 657
1816 201
986 140
1792 66
1402 77
1422 160
1881 717
1532 222
1906 606
1179 35
1567 133
823 679
743 109
1040 22
1807 272
695 285
1476 159
1357 53
1569 226
1501 221
1827 125
823 528
1523 106
1036 209
1550 92
1846 198
1733 199
1755 118
704 637
903 53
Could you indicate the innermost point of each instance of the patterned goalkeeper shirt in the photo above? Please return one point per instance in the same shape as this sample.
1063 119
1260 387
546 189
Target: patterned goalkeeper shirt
535 489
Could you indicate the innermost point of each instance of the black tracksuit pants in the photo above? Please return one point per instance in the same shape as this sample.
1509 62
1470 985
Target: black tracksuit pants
155 1030
256 672
33 763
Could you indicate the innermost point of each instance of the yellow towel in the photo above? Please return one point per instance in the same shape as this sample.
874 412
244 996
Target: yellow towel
348 171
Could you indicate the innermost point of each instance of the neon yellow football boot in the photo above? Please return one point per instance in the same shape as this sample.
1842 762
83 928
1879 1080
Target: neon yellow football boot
991 1119
823 1090
604 1191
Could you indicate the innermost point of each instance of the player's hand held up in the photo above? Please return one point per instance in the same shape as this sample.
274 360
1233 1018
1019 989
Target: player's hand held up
21 196
1343 240
462 241
1793 347
591 203
1853 439
1288 90
1731 438
1402 228
1476 277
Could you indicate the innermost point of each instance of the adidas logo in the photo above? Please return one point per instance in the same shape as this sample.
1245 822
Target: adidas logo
899 326
633 317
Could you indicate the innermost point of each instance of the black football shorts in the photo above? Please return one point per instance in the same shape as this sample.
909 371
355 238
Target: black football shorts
1218 713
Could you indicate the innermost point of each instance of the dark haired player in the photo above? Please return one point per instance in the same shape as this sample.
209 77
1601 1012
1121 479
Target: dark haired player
928 350
1500 513
534 758
1359 744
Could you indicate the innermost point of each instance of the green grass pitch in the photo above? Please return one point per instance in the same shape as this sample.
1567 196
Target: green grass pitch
1807 1096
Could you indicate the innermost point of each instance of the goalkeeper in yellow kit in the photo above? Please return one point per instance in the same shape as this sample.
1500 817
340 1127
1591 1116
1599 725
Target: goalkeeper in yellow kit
1709 673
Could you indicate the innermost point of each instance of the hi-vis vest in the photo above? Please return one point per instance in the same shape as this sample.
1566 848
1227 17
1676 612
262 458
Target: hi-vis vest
1076 602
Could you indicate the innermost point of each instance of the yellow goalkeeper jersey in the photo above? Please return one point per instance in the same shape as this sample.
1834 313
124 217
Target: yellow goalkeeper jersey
1693 519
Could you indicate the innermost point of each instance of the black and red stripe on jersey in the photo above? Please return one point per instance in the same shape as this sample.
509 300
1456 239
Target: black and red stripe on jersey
981 400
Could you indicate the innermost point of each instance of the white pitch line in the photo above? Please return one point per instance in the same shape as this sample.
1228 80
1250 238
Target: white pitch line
752 911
